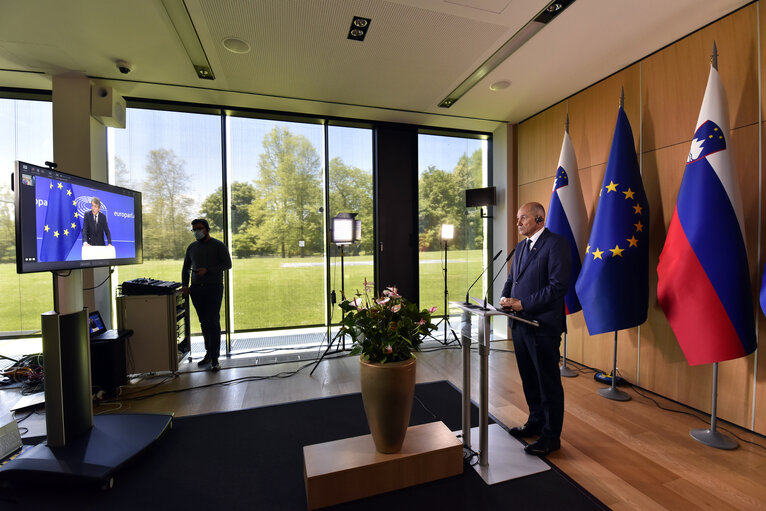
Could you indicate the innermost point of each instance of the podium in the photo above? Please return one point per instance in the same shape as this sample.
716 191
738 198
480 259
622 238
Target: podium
91 252
512 462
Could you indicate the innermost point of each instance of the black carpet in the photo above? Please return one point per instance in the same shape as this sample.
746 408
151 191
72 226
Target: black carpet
253 459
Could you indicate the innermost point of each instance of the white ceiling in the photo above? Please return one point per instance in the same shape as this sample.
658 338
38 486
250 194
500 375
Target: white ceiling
415 53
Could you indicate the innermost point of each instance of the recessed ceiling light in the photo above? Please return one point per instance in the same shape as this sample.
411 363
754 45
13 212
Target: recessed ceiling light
359 27
236 45
502 84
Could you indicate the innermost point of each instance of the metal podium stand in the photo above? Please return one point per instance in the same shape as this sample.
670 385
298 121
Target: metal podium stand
521 465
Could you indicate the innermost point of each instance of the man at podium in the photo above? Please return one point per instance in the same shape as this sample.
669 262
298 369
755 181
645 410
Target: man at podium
536 285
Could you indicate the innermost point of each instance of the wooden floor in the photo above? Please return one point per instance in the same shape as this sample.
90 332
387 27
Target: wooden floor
631 455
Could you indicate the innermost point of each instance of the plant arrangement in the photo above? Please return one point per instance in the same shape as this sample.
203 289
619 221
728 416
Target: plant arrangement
387 328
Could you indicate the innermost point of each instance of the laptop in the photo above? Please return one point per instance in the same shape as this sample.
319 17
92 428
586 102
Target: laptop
10 439
96 324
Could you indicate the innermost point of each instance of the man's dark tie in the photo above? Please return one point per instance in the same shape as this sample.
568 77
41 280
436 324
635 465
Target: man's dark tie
524 252
96 219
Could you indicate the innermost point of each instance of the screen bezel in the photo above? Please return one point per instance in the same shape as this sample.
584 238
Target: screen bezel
27 266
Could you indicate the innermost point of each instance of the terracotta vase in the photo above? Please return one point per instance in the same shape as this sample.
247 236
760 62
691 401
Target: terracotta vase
387 392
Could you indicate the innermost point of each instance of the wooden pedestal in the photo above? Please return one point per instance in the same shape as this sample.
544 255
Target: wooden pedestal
351 469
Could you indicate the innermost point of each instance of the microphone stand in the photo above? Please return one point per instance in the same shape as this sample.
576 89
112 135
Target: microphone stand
480 275
497 275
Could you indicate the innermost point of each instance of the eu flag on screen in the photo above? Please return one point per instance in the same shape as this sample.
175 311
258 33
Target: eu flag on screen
613 286
703 283
567 215
62 223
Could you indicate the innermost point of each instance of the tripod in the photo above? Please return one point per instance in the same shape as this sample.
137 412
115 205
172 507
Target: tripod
445 319
343 315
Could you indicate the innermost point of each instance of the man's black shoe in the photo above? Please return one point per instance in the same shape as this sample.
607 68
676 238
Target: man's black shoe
524 431
215 366
205 361
543 446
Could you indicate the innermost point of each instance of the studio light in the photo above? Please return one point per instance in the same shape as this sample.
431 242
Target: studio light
346 229
448 231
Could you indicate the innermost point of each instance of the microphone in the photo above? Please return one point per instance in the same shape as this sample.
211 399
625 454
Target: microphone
497 275
480 275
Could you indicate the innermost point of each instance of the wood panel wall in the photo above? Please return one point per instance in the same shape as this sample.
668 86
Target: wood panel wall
663 94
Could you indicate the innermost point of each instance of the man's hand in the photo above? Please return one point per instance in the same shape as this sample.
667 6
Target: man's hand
201 271
515 304
505 303
86 244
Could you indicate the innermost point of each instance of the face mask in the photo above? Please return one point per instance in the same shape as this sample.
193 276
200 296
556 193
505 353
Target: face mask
199 234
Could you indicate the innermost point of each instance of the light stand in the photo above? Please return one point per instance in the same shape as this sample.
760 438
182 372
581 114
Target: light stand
447 233
346 230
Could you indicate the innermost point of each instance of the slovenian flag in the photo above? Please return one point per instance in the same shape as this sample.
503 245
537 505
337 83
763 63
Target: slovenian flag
704 281
614 282
567 215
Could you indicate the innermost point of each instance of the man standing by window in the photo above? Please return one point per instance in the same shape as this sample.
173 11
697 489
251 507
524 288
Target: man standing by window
206 260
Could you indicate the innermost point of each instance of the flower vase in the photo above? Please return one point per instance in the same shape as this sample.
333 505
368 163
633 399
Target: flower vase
387 393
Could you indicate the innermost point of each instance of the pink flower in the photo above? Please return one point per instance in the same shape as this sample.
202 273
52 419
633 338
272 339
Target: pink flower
396 307
368 285
393 292
388 349
422 321
381 301
432 309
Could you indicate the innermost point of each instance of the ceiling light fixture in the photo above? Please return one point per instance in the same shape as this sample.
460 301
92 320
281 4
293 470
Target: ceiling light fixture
236 45
502 84
359 27
506 50
184 26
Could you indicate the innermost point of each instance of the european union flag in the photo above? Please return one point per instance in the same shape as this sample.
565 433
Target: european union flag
763 293
62 222
613 287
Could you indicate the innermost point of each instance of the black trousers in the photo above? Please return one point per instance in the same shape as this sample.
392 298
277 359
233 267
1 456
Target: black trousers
207 300
537 357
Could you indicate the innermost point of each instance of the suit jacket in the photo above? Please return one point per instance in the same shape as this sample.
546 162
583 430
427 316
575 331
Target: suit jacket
541 281
93 233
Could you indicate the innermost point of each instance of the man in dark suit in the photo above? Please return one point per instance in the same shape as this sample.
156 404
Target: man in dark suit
94 225
536 287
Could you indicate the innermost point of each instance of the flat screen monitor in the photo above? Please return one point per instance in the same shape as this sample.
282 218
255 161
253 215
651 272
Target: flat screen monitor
477 197
57 229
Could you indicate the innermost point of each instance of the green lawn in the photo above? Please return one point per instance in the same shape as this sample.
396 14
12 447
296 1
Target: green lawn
269 292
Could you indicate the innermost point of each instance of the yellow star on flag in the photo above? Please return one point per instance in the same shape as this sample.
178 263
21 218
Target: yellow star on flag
76 214
69 192
611 187
60 186
74 225
587 249
56 234
51 185
637 208
66 232
597 254
639 226
629 194
47 228
633 241
616 251
74 203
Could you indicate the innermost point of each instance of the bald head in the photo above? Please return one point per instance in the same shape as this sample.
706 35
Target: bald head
530 218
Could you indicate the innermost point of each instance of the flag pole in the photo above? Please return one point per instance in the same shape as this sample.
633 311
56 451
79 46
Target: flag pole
613 392
565 371
710 436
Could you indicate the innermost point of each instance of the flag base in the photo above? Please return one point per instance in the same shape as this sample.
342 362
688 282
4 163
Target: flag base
614 394
713 438
566 372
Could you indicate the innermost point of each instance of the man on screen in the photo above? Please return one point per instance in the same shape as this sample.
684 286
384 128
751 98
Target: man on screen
94 226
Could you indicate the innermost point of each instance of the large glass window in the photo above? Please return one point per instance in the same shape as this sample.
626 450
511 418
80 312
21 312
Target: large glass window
276 171
175 160
350 190
26 134
447 167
